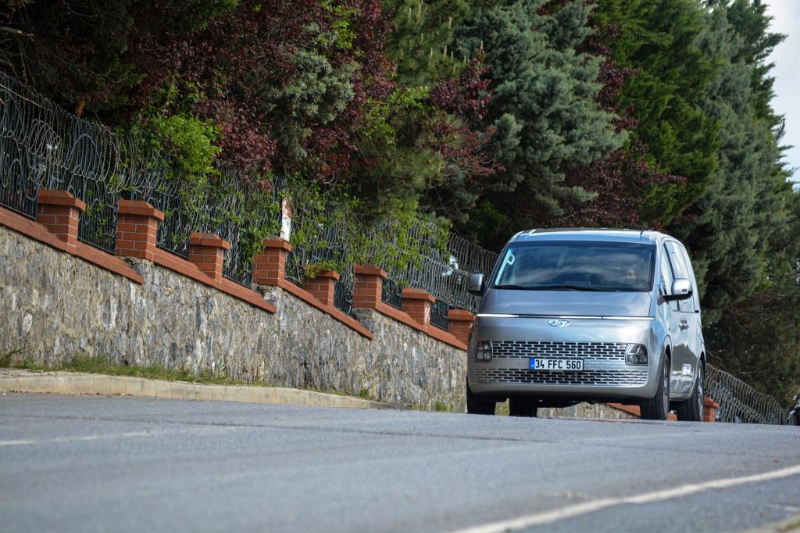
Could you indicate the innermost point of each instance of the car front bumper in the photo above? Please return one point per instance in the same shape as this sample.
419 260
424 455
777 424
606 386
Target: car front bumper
599 342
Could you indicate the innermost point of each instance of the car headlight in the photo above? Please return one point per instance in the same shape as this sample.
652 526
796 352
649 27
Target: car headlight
484 351
636 354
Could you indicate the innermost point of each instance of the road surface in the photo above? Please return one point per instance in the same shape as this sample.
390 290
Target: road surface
130 464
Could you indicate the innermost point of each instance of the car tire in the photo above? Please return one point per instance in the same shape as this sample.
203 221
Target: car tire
522 406
692 409
477 405
657 408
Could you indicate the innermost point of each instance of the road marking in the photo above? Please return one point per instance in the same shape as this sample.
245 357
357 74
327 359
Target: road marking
85 438
109 436
650 497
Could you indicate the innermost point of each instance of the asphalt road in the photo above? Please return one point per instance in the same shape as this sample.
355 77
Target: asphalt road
124 464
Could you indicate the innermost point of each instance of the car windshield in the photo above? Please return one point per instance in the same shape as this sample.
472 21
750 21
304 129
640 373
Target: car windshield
576 265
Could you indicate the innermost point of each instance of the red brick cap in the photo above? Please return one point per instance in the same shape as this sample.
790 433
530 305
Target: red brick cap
411 293
55 197
371 269
277 243
461 315
327 274
136 207
210 240
708 402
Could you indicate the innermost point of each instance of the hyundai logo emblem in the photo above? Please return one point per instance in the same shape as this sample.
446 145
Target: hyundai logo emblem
559 323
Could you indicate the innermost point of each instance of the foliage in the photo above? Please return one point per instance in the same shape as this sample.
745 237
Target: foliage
421 40
77 51
412 116
190 141
758 338
332 234
620 180
657 38
730 226
544 106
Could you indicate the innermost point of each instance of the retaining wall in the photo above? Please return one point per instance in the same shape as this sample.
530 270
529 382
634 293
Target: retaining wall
60 298
58 301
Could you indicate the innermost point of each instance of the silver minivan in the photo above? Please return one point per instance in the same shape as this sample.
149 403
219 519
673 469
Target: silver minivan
569 316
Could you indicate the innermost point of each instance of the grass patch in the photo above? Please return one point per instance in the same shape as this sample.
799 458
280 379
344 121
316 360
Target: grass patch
501 409
364 394
7 358
100 365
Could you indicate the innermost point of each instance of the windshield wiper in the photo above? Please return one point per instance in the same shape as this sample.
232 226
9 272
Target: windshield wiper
556 288
575 288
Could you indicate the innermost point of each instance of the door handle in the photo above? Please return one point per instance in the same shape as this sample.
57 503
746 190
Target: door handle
684 325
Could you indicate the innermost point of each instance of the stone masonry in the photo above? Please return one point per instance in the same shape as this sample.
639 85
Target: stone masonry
54 306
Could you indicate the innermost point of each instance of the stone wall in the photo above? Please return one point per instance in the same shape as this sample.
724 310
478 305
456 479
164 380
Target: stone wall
54 306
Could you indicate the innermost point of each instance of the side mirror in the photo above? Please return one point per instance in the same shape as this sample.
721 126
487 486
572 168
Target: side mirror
475 284
681 290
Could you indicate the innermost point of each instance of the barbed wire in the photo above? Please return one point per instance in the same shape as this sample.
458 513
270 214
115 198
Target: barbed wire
42 146
739 402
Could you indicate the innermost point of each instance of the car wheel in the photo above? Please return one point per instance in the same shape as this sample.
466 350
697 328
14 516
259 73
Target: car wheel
522 406
657 408
477 405
692 409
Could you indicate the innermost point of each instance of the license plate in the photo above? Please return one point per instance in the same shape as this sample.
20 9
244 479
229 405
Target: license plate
564 365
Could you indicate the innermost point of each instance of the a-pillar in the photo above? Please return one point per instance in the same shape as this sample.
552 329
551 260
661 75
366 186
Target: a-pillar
207 251
60 213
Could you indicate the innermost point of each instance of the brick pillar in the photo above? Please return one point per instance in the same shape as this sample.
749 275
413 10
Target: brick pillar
323 286
206 250
710 410
137 227
269 267
459 323
417 303
368 286
60 212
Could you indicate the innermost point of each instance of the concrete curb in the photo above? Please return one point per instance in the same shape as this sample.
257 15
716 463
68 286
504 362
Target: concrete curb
791 524
82 384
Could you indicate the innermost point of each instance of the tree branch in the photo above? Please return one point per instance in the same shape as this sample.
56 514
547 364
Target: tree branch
14 31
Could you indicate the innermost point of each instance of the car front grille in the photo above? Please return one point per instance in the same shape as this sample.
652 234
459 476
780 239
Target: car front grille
603 363
547 349
594 378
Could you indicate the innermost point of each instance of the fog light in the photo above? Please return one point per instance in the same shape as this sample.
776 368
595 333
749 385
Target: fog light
636 354
484 351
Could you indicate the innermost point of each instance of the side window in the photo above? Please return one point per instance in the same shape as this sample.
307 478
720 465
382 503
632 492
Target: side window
676 255
694 302
667 277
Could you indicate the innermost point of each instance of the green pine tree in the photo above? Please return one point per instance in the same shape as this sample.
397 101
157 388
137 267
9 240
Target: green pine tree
543 106
729 228
658 38
421 42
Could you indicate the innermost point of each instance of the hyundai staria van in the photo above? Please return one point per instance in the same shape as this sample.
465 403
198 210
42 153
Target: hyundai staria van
588 315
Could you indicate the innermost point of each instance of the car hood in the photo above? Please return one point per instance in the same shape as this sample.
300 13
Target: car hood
566 303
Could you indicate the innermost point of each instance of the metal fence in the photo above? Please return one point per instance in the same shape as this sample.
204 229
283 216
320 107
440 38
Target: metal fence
44 147
325 234
739 402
